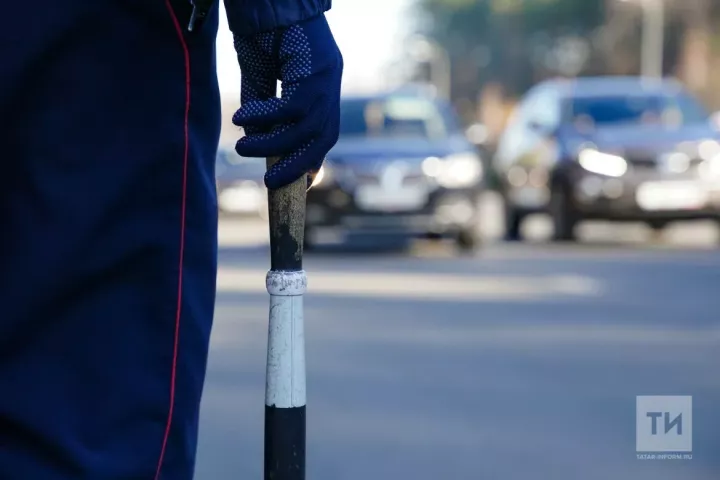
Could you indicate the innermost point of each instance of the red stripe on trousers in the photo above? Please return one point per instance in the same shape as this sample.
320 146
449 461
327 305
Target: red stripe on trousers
186 52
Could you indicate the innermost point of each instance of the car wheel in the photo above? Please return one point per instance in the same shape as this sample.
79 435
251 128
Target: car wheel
513 222
433 237
657 227
563 214
468 240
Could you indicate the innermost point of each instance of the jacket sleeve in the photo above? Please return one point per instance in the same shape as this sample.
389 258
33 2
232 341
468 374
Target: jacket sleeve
247 17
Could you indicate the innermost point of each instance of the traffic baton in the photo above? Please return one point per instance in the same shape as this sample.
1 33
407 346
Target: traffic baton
285 375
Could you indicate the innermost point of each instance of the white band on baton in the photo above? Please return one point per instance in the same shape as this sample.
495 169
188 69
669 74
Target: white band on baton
286 284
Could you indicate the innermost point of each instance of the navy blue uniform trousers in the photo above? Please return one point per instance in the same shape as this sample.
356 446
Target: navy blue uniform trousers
108 237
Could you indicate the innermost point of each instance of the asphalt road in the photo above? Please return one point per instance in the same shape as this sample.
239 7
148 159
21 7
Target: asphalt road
523 362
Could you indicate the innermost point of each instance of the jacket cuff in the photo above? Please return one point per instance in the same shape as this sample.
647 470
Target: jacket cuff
249 17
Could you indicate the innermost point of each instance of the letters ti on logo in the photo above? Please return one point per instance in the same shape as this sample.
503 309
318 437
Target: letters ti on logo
664 424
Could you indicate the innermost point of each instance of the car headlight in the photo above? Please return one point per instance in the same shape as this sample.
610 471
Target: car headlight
710 169
454 171
322 177
602 163
708 149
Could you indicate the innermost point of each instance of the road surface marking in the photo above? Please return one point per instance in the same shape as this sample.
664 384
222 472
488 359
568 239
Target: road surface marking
422 286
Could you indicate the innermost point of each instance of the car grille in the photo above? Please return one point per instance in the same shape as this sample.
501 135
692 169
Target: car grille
374 179
645 162
368 174
649 162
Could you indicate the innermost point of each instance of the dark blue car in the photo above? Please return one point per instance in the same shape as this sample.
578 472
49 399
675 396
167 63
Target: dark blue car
609 148
402 168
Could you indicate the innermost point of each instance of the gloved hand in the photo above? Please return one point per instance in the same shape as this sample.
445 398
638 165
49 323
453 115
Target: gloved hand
303 124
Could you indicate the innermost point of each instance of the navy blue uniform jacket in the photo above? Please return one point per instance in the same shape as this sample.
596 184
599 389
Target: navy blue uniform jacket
108 231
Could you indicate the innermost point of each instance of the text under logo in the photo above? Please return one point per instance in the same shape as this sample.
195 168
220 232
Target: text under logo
664 424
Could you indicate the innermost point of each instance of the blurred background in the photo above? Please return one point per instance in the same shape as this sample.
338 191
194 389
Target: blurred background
517 234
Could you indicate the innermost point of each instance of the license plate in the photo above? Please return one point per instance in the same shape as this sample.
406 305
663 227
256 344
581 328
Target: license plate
671 196
376 198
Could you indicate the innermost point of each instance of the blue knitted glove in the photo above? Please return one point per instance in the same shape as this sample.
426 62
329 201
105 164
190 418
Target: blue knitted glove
303 124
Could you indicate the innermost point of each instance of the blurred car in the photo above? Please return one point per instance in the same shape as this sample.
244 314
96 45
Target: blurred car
402 168
715 120
240 187
610 148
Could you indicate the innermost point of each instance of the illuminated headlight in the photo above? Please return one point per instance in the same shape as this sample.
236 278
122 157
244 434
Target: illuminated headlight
708 150
322 176
711 168
602 163
454 171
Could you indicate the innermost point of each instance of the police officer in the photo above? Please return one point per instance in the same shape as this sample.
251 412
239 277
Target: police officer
108 214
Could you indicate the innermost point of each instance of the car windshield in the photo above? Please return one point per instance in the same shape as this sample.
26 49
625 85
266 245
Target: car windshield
664 110
395 117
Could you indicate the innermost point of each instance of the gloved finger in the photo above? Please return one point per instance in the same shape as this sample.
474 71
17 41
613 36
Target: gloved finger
255 54
287 109
296 102
263 84
297 164
284 139
256 88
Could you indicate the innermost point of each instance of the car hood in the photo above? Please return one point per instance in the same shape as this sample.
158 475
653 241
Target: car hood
352 150
650 139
